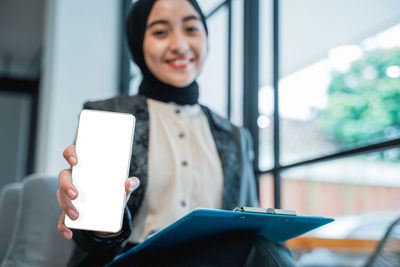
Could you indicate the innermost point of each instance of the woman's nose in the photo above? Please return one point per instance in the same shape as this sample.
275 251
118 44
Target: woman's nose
179 43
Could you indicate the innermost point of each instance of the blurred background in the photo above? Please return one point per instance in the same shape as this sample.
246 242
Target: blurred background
317 82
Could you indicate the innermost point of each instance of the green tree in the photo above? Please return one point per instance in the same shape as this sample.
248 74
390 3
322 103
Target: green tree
364 103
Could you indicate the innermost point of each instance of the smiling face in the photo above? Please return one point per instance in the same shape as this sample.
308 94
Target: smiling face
175 42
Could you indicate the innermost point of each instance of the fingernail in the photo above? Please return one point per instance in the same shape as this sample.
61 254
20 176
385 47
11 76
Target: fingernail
72 214
67 235
71 193
72 160
134 184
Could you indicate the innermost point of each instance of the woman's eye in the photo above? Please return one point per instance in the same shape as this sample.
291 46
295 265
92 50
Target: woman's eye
192 29
159 33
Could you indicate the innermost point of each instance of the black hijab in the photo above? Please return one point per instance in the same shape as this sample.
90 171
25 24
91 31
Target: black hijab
150 85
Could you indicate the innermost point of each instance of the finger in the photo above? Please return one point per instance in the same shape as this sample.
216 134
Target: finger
65 181
131 184
70 155
62 229
66 205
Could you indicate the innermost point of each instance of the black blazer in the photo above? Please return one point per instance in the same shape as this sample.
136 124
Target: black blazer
235 150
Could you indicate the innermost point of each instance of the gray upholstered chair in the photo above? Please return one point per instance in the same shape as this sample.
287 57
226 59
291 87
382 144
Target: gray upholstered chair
35 240
9 204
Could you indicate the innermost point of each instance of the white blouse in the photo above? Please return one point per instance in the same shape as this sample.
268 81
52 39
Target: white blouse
184 168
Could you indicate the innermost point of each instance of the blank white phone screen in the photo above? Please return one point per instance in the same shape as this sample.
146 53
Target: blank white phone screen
103 147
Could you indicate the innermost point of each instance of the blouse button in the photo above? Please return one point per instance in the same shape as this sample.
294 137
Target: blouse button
177 111
183 203
181 135
184 163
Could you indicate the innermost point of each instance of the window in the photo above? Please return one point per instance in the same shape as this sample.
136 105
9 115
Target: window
213 78
338 104
328 143
265 120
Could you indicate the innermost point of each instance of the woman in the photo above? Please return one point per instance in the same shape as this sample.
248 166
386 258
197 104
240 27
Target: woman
185 155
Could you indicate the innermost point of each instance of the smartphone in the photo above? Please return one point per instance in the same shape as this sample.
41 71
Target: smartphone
103 147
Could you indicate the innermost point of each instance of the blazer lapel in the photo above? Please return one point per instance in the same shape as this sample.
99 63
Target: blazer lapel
221 130
139 161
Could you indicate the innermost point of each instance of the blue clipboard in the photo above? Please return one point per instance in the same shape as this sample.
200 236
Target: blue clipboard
202 223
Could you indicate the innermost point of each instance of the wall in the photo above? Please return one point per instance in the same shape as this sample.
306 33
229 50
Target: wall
80 63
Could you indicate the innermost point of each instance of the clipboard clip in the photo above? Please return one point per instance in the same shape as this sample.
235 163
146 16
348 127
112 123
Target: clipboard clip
267 211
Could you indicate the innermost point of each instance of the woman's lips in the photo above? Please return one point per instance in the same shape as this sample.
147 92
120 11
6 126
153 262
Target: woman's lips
179 64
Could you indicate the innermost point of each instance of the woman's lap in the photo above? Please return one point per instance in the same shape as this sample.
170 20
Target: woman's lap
231 249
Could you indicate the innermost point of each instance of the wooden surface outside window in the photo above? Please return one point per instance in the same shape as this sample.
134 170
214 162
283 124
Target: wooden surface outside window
304 243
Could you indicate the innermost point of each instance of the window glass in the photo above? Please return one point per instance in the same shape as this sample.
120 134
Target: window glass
213 78
265 120
339 89
362 194
355 185
266 186
208 6
237 63
135 78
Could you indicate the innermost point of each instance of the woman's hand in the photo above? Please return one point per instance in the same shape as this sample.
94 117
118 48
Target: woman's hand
68 192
